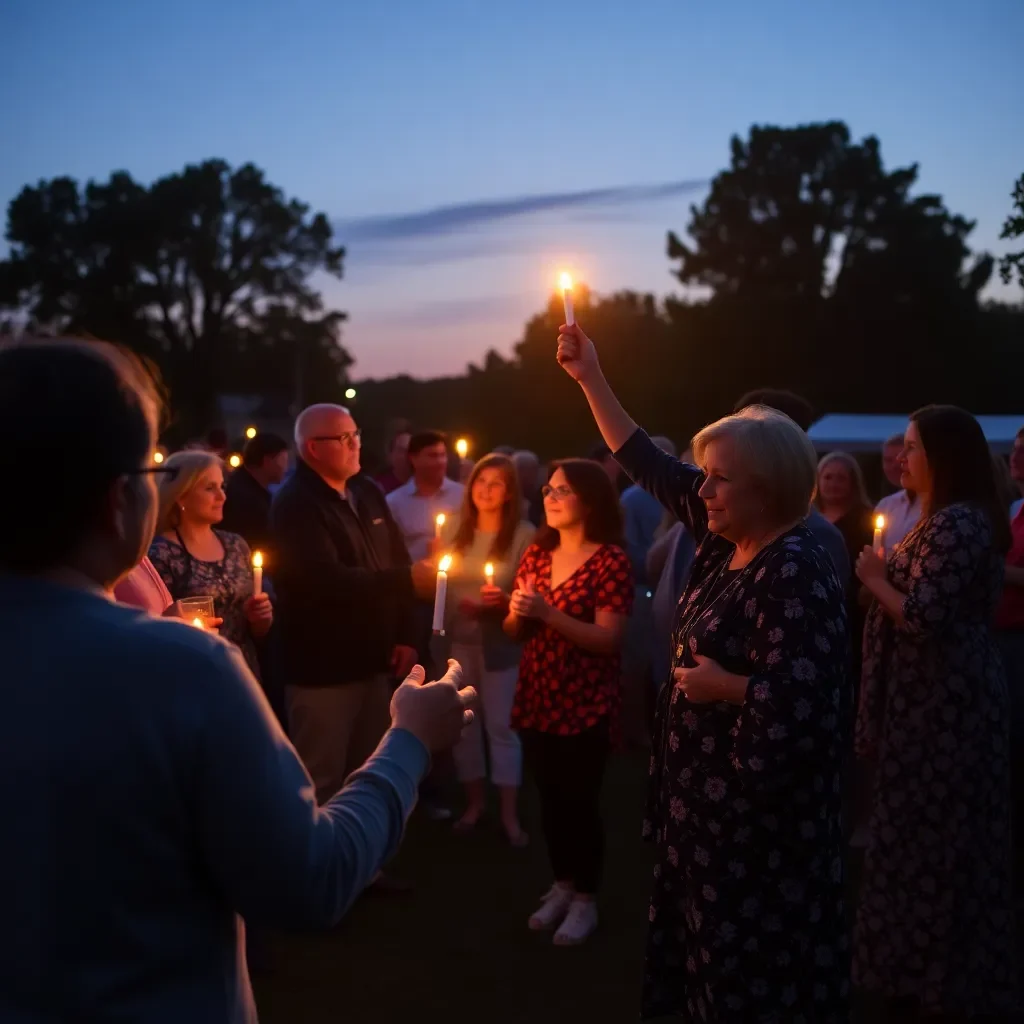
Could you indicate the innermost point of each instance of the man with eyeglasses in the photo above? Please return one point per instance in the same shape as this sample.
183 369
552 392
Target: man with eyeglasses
345 595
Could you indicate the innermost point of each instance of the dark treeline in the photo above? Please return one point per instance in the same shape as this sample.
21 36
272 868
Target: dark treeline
808 266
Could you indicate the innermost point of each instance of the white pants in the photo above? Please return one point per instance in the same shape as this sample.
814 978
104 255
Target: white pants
496 691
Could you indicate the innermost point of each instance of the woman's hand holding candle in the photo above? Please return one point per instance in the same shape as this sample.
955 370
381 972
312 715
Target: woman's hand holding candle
528 604
260 613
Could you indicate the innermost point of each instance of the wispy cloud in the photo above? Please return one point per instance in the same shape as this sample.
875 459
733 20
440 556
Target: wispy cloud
484 310
463 216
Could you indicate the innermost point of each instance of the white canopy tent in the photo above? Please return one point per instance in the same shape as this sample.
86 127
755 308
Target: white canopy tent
856 432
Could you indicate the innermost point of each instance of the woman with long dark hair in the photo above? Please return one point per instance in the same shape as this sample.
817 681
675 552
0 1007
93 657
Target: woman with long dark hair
486 540
935 920
574 590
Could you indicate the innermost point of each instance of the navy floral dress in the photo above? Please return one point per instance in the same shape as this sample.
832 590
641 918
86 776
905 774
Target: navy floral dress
747 916
228 582
935 916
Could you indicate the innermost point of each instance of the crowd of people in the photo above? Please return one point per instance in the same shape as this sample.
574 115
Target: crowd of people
192 744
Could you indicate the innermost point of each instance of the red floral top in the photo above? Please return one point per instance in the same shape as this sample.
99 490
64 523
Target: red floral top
564 689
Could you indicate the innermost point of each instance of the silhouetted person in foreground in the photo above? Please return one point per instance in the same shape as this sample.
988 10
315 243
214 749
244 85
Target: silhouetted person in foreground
148 795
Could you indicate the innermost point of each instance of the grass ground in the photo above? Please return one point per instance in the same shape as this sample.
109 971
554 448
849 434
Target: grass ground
457 948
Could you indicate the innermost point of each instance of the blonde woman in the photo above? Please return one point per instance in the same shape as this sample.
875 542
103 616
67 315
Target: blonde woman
194 559
747 917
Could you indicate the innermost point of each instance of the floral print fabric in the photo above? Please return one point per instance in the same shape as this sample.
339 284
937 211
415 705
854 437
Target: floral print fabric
935 917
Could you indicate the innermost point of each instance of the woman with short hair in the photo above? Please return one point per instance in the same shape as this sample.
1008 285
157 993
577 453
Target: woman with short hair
747 917
194 559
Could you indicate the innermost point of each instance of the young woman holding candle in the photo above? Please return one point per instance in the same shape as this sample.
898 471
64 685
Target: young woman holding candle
574 591
486 541
195 559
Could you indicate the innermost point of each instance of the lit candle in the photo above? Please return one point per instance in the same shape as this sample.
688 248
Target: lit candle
438 524
877 542
250 432
257 572
158 457
462 447
235 461
489 574
440 593
198 623
566 282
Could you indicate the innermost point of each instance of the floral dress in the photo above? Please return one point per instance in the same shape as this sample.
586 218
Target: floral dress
747 915
935 917
228 582
564 689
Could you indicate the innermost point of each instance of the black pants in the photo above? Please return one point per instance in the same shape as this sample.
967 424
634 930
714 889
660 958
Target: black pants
568 771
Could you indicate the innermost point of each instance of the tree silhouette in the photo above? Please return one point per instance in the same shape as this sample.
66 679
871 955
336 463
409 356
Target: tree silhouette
1013 227
208 271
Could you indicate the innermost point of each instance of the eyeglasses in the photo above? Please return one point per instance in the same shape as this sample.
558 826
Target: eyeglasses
561 493
348 437
171 472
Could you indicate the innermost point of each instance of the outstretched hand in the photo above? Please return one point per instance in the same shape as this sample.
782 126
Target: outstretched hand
576 354
435 713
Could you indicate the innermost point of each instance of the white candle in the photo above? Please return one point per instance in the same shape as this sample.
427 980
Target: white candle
440 593
566 283
257 572
438 524
877 542
489 574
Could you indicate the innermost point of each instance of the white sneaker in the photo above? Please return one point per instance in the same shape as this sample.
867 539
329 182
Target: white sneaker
553 906
579 922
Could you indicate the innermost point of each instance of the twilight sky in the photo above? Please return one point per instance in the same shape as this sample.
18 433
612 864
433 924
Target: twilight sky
467 149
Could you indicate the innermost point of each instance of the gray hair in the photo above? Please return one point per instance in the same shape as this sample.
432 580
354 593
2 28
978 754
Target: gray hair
775 451
304 422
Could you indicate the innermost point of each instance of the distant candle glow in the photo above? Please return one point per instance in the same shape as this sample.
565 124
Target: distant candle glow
439 521
158 456
350 393
250 432
462 447
235 461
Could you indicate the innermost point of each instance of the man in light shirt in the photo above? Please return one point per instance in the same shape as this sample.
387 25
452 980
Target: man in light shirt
902 509
417 504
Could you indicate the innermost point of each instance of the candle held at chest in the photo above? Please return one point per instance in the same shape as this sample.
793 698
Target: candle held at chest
441 594
566 285
878 541
489 574
257 572
439 522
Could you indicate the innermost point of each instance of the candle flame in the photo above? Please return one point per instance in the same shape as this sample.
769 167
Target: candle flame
879 522
488 570
250 432
565 282
445 564
198 623
462 447
235 461
440 519
158 457
257 559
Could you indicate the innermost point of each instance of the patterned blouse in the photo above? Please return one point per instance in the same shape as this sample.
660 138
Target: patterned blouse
564 689
228 582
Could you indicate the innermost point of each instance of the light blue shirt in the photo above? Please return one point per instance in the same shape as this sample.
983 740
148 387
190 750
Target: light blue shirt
416 514
642 514
149 797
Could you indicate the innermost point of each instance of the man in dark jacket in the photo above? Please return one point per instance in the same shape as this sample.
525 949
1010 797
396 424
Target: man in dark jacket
345 590
247 492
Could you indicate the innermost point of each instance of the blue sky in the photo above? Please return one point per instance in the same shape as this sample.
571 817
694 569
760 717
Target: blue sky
372 111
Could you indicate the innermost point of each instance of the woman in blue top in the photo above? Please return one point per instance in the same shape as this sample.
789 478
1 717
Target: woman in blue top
747 917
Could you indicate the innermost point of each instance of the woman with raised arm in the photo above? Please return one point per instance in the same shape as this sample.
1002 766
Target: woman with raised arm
747 916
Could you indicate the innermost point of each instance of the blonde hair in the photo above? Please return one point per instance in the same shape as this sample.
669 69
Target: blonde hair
775 451
860 492
191 465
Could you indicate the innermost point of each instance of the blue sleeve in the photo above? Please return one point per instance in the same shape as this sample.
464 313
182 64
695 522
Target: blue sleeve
675 484
829 537
638 534
280 859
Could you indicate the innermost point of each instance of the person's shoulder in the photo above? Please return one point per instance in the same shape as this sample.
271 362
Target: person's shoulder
890 501
615 559
452 487
525 532
400 494
961 517
232 541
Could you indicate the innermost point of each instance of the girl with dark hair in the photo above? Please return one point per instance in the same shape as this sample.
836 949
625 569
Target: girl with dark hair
486 540
935 921
574 590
